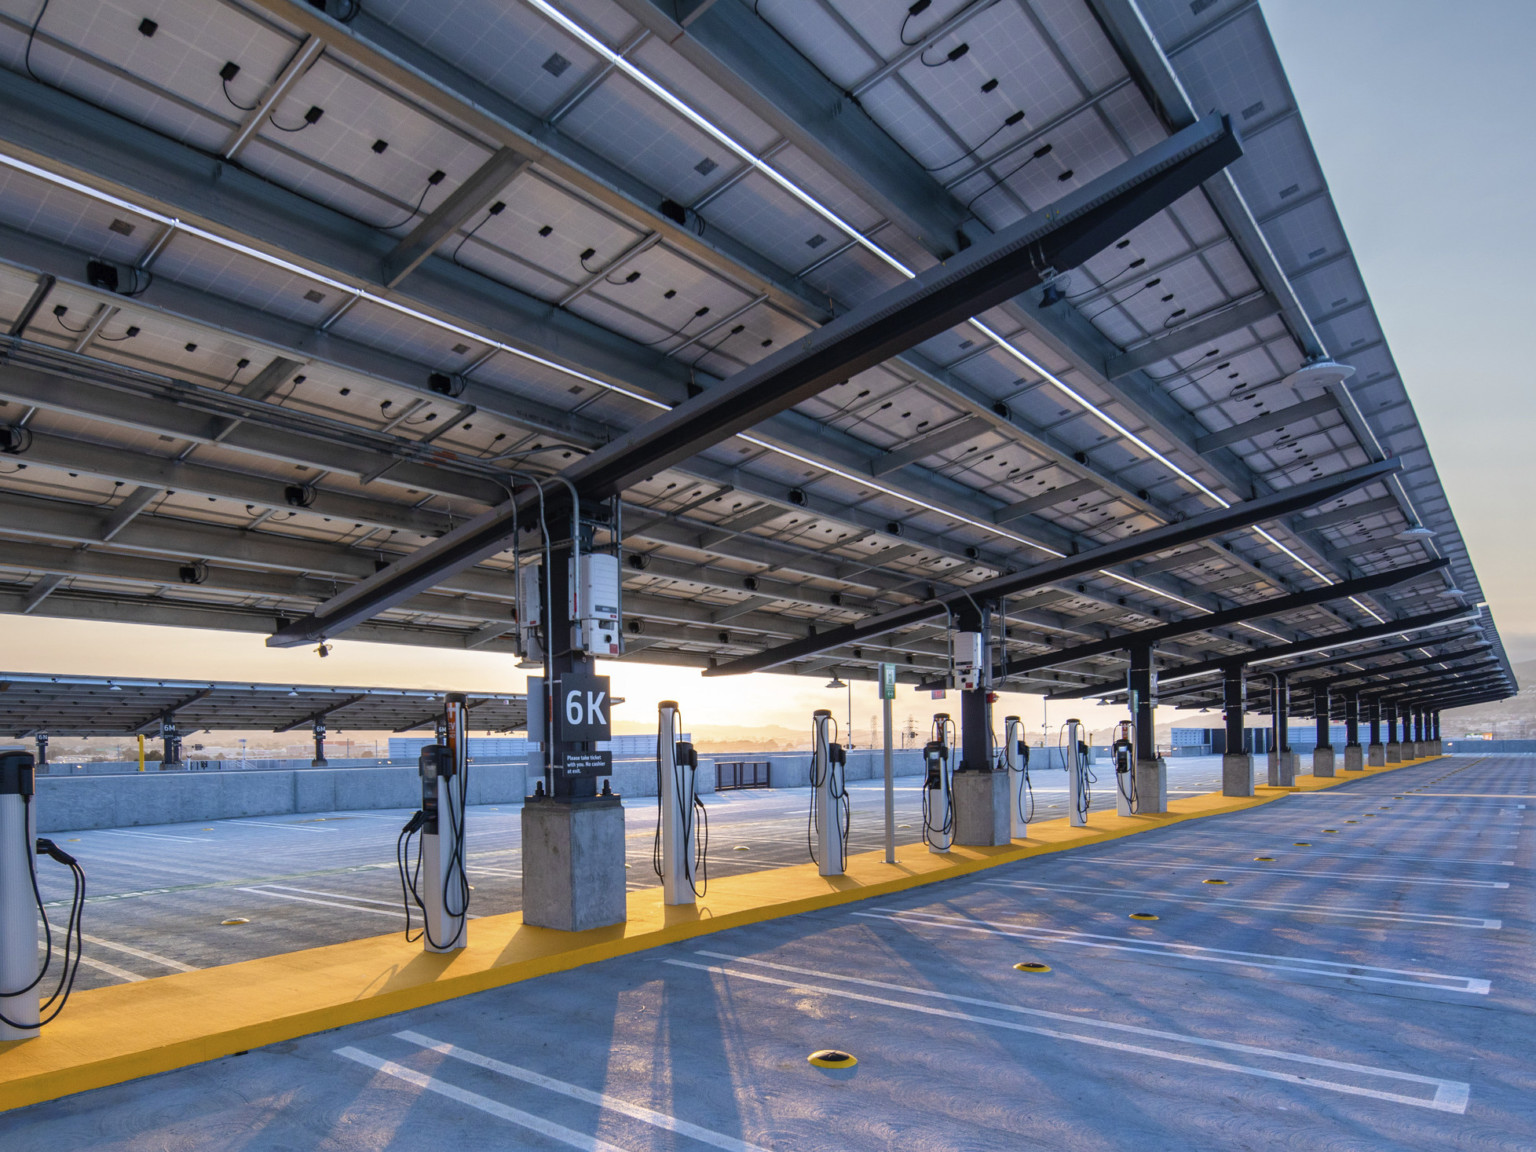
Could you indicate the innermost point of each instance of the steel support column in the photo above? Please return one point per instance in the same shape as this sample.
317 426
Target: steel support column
1151 769
1236 760
1322 754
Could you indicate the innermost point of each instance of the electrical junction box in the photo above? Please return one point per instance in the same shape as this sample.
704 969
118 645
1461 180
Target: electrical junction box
530 614
970 668
595 605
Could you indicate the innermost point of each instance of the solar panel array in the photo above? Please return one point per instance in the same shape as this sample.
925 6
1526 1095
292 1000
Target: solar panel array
375 264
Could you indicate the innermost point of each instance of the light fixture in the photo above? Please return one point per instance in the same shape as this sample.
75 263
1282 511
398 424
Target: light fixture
1313 379
1452 592
835 682
1416 532
527 663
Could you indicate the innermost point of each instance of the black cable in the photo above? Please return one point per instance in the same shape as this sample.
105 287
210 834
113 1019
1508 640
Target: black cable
236 103
704 311
1007 123
283 128
1132 266
953 55
1116 303
917 9
66 327
413 213
1043 150
31 37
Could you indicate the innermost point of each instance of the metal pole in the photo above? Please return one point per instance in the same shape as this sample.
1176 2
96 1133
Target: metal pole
890 787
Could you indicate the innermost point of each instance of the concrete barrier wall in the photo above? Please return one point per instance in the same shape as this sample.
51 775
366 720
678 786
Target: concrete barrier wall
73 802
1488 747
70 803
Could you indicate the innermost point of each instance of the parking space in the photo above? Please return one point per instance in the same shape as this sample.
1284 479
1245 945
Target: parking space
1346 969
159 896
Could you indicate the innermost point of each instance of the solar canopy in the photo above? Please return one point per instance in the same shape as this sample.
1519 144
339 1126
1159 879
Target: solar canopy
292 292
118 706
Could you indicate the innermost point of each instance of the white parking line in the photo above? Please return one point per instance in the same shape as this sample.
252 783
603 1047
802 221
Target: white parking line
284 827
1348 876
1306 964
327 903
1427 919
586 1095
559 1132
111 969
1449 1095
151 835
333 895
152 957
1382 857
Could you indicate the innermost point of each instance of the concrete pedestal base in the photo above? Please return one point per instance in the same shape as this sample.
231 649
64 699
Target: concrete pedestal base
573 863
1438 749
1376 756
1354 758
1322 762
1151 786
1394 753
1282 769
1237 774
981 808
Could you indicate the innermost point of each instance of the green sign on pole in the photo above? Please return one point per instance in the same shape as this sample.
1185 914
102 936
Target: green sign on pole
887 681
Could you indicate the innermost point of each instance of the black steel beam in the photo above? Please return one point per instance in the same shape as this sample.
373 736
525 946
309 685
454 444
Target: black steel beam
1018 258
1390 690
1342 658
1359 586
1397 669
1278 651
1201 527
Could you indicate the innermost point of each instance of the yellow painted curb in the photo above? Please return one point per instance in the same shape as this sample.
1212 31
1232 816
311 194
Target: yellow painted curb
112 1035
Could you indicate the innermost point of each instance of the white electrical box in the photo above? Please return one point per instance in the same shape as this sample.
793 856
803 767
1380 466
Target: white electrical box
530 616
970 666
595 605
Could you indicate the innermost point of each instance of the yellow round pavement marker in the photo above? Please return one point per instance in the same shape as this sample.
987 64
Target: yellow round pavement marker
235 920
1031 966
741 848
1144 916
1213 881
1265 859
1351 821
1303 843
1334 830
832 1058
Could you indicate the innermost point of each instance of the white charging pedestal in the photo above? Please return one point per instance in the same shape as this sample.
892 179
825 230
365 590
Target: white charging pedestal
18 904
1077 776
828 780
676 788
1013 736
441 855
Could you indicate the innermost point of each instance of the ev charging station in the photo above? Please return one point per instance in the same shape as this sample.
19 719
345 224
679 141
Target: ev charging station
1124 754
438 884
680 850
938 785
1079 790
829 798
18 908
1021 797
23 1008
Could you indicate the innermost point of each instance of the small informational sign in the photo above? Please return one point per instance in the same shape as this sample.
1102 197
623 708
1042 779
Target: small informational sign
582 707
938 693
588 763
887 681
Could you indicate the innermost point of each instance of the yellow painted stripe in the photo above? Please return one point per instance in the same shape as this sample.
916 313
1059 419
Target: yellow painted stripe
111 1035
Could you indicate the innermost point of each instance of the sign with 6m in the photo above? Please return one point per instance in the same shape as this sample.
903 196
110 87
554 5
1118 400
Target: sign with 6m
581 702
